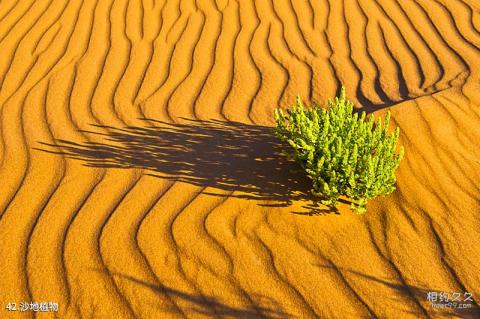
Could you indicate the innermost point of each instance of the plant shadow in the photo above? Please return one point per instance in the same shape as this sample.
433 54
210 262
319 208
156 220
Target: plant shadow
417 293
314 210
201 304
246 160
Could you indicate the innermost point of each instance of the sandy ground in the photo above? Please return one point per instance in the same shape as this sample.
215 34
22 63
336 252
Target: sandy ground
139 178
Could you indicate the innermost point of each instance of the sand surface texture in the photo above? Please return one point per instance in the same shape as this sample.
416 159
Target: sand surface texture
139 178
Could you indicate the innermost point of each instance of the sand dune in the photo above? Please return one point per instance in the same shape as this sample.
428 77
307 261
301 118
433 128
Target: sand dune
139 178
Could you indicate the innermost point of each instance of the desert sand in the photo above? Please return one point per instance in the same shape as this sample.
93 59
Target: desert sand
139 177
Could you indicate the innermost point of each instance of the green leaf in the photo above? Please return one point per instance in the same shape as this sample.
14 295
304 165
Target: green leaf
343 153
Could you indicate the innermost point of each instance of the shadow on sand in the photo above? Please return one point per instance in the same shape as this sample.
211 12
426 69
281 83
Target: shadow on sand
228 156
418 294
196 304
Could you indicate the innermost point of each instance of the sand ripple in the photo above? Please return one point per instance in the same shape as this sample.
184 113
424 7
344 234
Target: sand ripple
139 178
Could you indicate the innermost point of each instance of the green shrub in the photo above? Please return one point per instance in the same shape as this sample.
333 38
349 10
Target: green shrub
344 154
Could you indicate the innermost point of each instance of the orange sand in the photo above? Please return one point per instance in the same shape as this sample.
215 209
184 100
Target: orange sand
139 178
